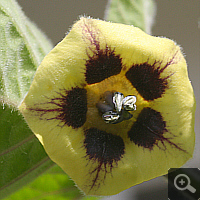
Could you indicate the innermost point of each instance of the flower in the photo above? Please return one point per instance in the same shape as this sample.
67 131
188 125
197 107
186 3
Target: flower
113 106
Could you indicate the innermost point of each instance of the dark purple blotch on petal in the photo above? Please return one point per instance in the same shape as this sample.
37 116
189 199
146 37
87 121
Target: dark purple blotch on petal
104 148
103 64
74 106
102 60
148 129
70 107
147 80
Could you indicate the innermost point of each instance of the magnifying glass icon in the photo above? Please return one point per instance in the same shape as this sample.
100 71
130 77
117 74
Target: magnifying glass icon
182 182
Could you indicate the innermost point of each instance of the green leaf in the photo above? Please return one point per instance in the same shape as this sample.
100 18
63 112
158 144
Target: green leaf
22 157
22 48
54 184
139 13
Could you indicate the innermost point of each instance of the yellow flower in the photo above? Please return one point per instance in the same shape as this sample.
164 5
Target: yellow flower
113 106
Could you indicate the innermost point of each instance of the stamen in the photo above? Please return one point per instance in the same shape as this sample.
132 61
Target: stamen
115 107
129 103
117 100
110 117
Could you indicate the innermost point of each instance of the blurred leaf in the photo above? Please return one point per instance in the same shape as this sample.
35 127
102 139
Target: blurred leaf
139 13
22 47
22 157
54 184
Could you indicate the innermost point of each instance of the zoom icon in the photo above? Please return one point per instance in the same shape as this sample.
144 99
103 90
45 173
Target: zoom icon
182 182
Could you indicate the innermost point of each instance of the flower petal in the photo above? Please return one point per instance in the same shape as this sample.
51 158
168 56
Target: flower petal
93 61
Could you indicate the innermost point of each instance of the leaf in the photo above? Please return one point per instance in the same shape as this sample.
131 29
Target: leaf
139 13
54 184
22 157
22 47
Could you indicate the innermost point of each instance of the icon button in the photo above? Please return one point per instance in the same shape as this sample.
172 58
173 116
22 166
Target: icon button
182 182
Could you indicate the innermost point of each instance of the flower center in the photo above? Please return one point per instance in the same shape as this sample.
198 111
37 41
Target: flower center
115 107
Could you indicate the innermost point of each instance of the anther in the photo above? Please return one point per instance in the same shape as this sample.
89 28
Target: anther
117 100
129 103
114 107
111 117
